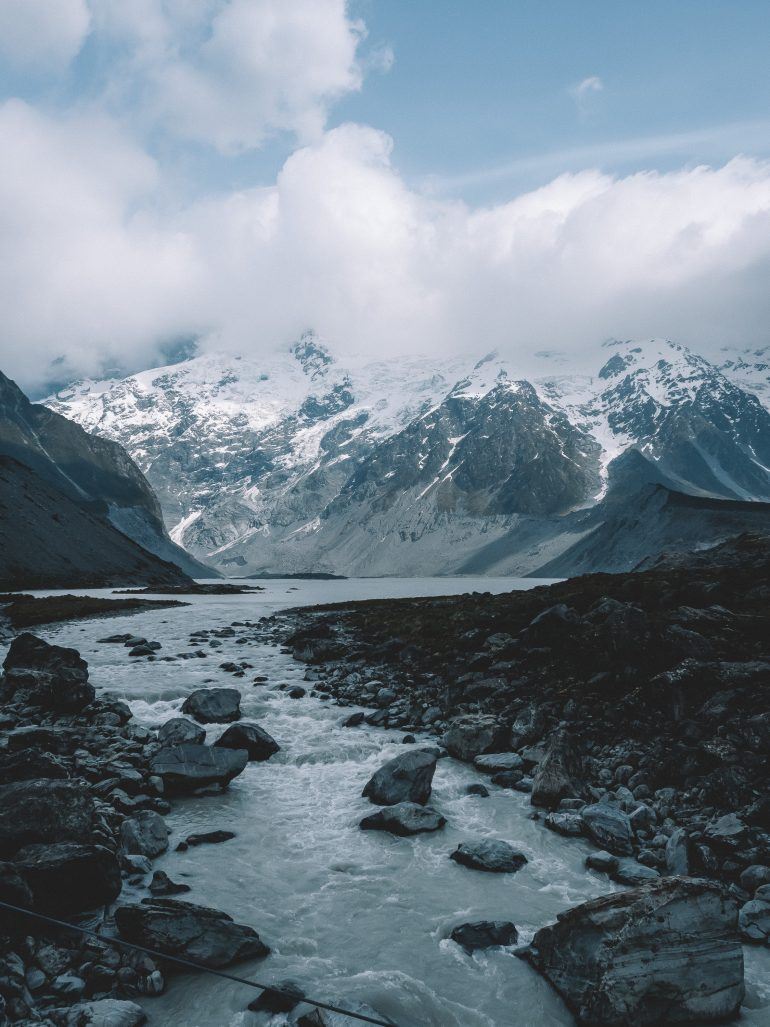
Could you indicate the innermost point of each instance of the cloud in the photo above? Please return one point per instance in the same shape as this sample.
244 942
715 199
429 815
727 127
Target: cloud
584 90
42 36
230 75
98 265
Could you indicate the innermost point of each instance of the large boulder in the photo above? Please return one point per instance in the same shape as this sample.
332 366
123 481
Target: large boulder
189 768
255 740
199 933
557 773
144 834
754 918
484 934
213 705
68 877
48 675
491 854
44 811
106 1012
403 819
29 764
405 778
179 730
667 952
609 827
473 734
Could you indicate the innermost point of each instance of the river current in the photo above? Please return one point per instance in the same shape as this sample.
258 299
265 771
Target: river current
352 916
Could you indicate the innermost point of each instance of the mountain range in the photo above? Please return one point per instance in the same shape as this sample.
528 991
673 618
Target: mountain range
304 462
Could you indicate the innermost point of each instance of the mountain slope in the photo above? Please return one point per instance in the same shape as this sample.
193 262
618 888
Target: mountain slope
93 471
301 462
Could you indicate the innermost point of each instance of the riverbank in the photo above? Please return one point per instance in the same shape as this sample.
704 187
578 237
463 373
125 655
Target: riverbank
22 610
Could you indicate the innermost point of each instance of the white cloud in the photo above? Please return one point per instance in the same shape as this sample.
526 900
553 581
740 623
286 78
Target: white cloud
94 264
42 35
584 90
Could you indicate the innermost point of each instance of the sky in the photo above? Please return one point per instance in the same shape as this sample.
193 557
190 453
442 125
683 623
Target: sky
401 175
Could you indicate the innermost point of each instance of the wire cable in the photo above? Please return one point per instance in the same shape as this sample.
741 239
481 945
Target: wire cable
190 964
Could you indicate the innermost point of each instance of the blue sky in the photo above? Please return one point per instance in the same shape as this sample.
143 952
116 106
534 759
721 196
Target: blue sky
398 174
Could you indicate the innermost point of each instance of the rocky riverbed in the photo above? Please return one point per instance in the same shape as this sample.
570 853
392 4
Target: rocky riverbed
135 778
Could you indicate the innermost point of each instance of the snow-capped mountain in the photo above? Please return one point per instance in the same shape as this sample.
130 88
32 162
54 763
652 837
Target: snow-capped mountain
303 462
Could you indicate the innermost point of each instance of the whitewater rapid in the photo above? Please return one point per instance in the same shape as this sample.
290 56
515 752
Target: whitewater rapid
349 915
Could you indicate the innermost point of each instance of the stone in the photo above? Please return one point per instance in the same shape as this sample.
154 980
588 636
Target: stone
213 705
405 778
754 877
405 818
471 735
477 789
106 1012
726 833
209 838
255 740
484 934
144 834
677 853
604 862
354 720
609 827
556 774
161 884
180 729
490 854
297 692
754 921
527 727
667 952
43 811
29 765
631 873
492 763
282 999
189 768
566 823
199 933
68 877
48 675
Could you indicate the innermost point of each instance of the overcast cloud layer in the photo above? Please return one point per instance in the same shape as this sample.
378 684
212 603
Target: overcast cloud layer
100 264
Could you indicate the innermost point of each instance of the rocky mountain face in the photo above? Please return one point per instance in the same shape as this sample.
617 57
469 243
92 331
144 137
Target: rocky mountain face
74 508
301 462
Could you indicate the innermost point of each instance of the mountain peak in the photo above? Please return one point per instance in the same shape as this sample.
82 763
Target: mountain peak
313 356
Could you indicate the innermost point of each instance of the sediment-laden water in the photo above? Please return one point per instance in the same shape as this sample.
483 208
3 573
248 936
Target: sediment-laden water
350 915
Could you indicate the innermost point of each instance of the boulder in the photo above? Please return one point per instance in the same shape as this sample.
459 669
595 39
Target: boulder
43 811
556 774
144 834
199 933
48 675
29 764
490 854
213 705
754 921
106 1012
667 952
255 740
609 827
495 762
484 934
677 853
631 873
566 823
754 877
68 877
189 768
551 627
403 819
282 999
161 885
527 727
604 862
180 729
405 778
473 734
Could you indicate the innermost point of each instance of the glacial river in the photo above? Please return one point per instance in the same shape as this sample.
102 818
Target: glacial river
352 916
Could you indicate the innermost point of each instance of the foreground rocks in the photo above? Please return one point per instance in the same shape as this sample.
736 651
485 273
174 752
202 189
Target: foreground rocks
491 854
663 953
252 738
405 818
405 778
213 705
191 769
484 934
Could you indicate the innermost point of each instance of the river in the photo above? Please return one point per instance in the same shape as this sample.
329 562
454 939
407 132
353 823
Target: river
352 916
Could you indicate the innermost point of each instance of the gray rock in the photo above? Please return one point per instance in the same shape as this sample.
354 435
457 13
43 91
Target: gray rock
567 823
106 1012
604 862
255 740
484 934
47 675
213 705
555 777
754 921
405 818
405 778
528 726
68 877
754 877
677 853
473 734
199 933
43 811
609 827
667 952
189 768
490 854
631 873
144 834
493 763
180 729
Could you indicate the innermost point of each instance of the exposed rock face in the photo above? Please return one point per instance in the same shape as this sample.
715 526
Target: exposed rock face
189 768
470 736
199 933
405 818
555 776
490 854
255 740
213 705
43 811
48 675
664 953
484 934
67 877
180 729
405 778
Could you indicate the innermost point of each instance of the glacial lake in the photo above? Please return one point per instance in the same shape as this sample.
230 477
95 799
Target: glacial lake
352 916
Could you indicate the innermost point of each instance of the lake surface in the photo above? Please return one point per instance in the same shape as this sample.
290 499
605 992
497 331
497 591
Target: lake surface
350 915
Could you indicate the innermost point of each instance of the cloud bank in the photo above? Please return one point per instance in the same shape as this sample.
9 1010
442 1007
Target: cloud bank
100 266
